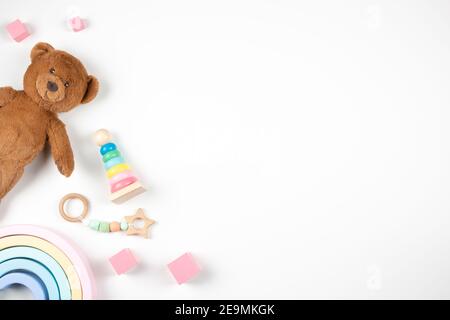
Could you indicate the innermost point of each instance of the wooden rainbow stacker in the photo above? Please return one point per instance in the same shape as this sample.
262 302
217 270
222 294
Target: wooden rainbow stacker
123 183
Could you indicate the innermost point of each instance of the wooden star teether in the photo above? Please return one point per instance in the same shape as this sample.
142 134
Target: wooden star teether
138 216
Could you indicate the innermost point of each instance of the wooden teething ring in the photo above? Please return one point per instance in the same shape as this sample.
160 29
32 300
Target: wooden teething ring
72 196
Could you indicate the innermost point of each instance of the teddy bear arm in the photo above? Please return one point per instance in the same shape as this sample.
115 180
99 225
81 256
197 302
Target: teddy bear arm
7 94
60 147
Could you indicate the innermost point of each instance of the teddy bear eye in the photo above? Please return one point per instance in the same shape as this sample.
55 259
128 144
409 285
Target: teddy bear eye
66 84
52 70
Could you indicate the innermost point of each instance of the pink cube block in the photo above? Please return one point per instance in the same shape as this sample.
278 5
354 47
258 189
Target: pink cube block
17 30
123 261
184 268
77 24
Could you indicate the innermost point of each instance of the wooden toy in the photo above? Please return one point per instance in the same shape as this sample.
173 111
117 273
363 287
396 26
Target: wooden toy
72 196
123 184
35 268
128 224
184 268
131 220
123 261
53 251
43 258
17 30
31 282
77 24
21 244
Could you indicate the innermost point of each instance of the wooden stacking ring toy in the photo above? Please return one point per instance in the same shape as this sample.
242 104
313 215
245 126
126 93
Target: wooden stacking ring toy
123 184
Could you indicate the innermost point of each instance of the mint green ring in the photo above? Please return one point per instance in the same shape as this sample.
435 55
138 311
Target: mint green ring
110 155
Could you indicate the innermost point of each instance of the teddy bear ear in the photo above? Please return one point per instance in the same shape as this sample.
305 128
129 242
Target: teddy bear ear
40 49
91 91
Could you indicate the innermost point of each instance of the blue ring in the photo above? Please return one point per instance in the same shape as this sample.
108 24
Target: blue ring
33 267
111 163
44 259
107 148
29 281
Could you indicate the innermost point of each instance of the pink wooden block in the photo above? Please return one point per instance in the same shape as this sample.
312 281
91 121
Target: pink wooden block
184 268
77 24
17 30
123 261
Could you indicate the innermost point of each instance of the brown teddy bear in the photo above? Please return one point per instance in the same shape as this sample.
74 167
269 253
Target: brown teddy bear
54 82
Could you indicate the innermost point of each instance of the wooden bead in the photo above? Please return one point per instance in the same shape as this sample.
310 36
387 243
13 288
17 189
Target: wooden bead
102 137
114 226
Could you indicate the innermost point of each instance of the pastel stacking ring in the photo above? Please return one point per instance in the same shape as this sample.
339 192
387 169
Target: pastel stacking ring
120 176
123 183
110 155
22 244
34 268
114 161
117 169
29 281
107 148
45 259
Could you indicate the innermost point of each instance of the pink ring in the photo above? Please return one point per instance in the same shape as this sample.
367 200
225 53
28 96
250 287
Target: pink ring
80 263
122 184
120 176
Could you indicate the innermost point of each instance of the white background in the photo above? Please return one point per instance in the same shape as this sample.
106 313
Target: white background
299 149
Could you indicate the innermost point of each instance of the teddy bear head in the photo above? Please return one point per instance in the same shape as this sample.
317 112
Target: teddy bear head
57 81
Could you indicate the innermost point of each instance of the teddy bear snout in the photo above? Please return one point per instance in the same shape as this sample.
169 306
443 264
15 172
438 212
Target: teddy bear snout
51 86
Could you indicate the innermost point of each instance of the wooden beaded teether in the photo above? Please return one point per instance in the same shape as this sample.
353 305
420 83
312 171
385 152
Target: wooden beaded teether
127 224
